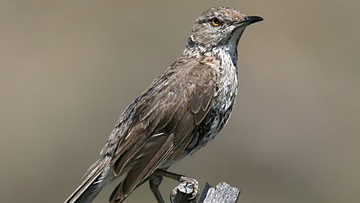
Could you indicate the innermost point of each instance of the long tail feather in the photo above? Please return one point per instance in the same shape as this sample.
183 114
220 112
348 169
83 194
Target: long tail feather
93 182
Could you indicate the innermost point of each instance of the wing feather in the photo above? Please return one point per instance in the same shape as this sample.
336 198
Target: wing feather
162 122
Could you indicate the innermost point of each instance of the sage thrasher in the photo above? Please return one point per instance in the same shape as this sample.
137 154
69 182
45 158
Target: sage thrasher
182 110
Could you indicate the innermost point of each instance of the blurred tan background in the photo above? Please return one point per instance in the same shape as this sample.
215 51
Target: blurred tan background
69 68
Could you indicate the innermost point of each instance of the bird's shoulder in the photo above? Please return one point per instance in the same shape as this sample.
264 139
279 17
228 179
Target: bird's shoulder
186 71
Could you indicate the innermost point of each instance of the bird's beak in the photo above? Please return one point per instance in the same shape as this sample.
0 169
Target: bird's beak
248 20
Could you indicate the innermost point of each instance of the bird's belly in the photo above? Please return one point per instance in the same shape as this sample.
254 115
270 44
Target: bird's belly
219 112
209 128
206 131
226 87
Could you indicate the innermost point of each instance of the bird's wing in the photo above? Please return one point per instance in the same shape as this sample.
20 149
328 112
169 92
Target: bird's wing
162 122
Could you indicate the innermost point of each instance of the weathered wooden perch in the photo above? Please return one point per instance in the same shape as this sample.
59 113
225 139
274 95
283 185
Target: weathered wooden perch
188 192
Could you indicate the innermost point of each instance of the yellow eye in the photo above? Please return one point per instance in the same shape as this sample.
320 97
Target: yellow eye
215 22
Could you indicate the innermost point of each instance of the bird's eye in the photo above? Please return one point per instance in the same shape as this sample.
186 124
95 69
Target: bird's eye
216 22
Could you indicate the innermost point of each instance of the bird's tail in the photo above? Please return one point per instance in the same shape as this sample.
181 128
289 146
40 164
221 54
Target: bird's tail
94 180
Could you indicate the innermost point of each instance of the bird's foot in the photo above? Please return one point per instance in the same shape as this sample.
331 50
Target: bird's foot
187 189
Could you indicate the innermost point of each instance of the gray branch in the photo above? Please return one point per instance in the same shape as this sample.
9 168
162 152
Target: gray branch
187 192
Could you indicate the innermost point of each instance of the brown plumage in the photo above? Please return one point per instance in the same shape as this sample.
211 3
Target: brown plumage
161 124
181 111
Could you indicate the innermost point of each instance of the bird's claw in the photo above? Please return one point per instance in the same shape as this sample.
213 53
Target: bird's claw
188 187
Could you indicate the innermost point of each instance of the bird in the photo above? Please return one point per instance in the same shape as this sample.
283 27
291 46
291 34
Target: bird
181 111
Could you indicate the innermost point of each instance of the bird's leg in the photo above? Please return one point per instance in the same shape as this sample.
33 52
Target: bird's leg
155 181
175 176
187 186
168 174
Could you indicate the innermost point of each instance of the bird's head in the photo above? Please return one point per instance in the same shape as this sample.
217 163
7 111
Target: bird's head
219 26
